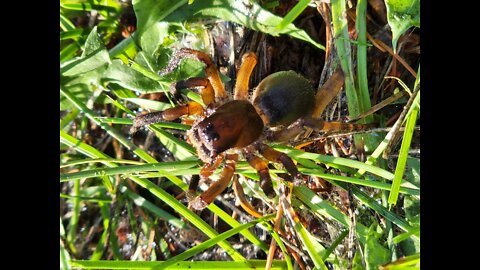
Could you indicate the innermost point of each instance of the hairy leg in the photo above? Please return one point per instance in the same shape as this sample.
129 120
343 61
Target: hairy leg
249 60
213 75
192 108
209 195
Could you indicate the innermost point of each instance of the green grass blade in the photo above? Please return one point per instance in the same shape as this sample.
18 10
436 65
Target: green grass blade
94 153
324 208
370 202
344 52
402 157
358 181
69 118
98 253
69 51
335 243
293 14
202 265
87 7
405 146
126 121
110 130
172 202
207 244
64 255
66 24
95 160
310 246
162 214
72 232
399 238
295 153
71 34
234 223
371 141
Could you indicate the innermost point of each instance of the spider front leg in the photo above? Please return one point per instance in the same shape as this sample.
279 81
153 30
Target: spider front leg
205 88
262 170
213 75
209 195
191 108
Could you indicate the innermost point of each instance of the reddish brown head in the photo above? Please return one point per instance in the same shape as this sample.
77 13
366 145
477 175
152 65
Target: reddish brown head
234 124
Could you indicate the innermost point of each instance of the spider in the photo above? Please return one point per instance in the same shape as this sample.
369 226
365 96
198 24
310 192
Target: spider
228 127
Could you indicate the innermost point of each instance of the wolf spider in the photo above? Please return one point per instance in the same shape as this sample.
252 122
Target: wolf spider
227 127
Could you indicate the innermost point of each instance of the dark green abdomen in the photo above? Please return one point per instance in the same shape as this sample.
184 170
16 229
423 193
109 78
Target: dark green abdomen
283 97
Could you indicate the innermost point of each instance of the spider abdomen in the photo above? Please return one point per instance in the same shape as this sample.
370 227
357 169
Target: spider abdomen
283 97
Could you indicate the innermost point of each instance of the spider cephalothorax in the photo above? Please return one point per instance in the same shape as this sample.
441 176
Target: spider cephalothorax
226 128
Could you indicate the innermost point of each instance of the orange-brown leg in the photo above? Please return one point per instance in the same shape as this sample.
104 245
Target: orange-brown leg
333 126
262 170
249 60
141 120
327 92
240 194
205 91
209 195
207 170
317 124
210 69
279 157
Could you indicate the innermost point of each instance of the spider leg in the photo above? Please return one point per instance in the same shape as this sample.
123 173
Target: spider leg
206 90
207 170
262 170
240 194
213 75
327 92
170 114
249 60
279 157
204 199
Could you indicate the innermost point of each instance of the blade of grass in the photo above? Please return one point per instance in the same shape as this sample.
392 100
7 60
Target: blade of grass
399 238
95 160
71 34
363 94
295 153
163 195
64 255
110 130
370 202
142 202
69 51
403 154
66 24
192 167
72 230
69 118
324 208
364 198
164 166
310 246
209 243
293 14
126 121
97 254
83 198
198 265
87 7
334 245
344 52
